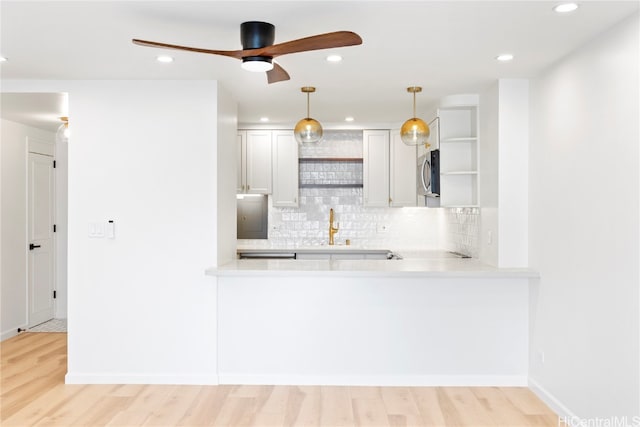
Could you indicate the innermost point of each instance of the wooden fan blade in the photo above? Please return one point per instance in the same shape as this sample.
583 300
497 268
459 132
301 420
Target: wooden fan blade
320 41
277 74
232 53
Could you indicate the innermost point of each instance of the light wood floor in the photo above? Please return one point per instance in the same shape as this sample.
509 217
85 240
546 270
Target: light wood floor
33 393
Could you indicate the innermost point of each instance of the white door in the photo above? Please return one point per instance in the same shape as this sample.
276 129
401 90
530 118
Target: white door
41 242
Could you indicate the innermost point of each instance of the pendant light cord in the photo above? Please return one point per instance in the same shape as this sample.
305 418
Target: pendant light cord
414 104
308 115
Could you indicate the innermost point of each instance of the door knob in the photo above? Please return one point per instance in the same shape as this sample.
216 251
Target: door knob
32 246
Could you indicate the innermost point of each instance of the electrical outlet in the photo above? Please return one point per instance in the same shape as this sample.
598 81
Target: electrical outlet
541 357
489 237
382 228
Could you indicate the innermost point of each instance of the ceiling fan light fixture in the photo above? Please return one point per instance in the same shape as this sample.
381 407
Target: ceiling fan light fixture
414 131
308 129
504 57
258 49
565 7
257 64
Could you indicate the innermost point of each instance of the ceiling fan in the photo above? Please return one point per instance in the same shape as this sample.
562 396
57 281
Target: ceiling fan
258 49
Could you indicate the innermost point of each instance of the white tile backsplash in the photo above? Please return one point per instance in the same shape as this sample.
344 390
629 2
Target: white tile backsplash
405 228
462 230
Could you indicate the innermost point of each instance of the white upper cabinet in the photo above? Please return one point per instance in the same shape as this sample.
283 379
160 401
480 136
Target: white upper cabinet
375 173
402 177
285 169
255 149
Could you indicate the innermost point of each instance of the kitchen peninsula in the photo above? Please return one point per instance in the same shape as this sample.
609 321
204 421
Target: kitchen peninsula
391 308
412 321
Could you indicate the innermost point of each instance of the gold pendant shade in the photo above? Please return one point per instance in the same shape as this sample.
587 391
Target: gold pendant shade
414 131
308 129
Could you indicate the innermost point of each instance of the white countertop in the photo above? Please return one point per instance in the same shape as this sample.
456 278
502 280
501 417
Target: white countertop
412 267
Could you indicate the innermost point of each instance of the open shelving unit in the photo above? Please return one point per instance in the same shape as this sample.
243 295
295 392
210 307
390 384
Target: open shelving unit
459 155
329 159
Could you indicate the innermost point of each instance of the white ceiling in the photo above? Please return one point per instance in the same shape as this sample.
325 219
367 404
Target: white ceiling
446 47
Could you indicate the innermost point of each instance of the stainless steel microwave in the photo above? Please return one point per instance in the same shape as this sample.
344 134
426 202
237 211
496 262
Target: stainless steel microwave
428 175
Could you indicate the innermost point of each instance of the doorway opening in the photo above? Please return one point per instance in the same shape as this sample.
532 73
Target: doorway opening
33 218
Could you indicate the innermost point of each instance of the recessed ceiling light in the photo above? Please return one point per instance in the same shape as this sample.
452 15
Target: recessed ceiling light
505 57
3 59
565 7
264 119
334 58
349 119
164 59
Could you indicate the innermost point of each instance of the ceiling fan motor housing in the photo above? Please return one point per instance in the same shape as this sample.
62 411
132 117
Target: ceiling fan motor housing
255 35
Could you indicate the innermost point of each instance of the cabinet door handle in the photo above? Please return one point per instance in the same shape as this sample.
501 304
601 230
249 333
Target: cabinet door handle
32 246
248 187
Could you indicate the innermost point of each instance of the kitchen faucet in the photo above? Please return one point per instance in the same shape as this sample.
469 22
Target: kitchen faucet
332 230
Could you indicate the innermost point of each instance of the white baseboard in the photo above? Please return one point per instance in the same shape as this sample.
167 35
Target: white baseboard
11 332
204 379
552 401
382 380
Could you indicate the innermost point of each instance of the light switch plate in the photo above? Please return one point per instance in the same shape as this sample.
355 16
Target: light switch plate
96 230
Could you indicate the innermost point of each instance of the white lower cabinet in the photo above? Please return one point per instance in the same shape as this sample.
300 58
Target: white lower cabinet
285 169
375 168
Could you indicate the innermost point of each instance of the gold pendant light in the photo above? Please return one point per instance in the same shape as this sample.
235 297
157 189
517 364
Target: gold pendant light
308 129
414 131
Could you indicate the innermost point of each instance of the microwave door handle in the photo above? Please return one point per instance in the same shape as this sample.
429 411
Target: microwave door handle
425 184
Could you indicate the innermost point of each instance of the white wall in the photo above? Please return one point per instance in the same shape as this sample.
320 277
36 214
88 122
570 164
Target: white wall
13 290
140 307
227 152
513 134
504 137
583 235
142 153
62 170
489 148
